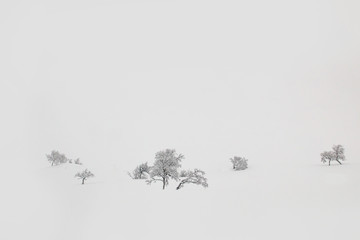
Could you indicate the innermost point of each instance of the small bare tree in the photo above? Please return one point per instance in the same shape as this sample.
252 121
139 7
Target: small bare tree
56 158
336 155
84 175
195 177
239 163
166 167
140 172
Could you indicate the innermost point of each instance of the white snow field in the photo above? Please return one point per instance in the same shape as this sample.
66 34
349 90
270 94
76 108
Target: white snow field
112 82
267 201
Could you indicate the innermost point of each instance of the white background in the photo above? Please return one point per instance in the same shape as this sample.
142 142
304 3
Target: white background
113 82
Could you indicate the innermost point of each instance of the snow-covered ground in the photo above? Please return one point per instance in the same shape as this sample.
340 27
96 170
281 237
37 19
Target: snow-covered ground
266 201
113 82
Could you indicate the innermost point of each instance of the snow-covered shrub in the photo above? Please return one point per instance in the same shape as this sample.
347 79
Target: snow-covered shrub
239 163
195 177
56 158
140 172
77 161
166 166
336 155
84 175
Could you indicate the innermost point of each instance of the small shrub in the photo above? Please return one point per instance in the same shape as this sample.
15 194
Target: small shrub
77 161
239 163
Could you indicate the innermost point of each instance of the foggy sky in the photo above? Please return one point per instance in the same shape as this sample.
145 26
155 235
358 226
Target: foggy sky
116 81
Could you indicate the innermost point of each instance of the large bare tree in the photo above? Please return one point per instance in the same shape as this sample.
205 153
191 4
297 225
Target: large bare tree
166 167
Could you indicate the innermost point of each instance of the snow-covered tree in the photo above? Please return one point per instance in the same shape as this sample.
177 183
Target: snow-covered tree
140 172
84 175
166 166
239 163
56 158
336 155
195 177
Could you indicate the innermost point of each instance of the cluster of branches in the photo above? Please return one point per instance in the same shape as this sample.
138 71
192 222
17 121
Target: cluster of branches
336 155
57 158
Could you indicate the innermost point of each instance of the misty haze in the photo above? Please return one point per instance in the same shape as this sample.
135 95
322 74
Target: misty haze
179 119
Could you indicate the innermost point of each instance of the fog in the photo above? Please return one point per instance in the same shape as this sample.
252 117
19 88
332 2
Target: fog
112 82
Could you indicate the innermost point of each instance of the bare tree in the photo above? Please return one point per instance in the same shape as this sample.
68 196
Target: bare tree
84 175
336 155
166 166
140 172
327 156
339 153
239 163
195 177
56 158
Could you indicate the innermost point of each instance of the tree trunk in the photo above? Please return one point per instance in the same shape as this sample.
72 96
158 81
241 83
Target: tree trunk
83 181
179 186
338 161
329 162
164 183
